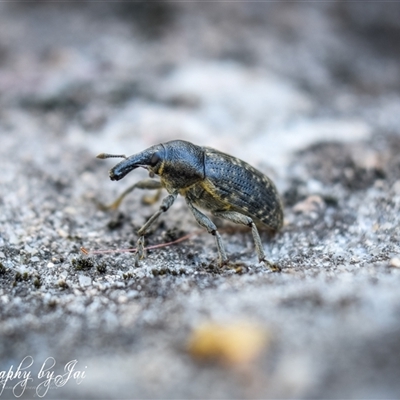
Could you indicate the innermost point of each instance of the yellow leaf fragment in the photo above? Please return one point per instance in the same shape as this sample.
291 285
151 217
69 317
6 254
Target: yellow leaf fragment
232 344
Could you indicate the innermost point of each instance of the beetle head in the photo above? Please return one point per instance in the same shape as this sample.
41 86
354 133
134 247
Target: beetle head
149 159
178 163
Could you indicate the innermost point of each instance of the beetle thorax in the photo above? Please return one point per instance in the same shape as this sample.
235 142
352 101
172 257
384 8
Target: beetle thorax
183 165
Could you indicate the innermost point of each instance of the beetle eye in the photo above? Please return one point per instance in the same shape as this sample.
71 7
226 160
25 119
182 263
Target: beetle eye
155 158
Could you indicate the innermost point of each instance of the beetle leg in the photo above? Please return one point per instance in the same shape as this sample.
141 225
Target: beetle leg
149 200
206 222
165 205
242 219
144 184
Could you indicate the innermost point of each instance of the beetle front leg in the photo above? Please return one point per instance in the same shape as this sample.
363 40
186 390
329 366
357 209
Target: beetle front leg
242 219
165 205
149 184
206 222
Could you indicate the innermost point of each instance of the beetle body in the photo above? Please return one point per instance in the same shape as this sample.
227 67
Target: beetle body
210 180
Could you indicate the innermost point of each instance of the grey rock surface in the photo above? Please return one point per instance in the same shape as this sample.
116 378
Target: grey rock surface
308 93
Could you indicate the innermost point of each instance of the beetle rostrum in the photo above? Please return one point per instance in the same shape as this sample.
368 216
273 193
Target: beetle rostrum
210 180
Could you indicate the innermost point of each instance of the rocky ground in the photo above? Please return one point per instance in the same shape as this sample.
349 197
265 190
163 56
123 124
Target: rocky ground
308 93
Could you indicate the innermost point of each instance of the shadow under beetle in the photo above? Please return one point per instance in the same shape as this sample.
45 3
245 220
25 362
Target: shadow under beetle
224 185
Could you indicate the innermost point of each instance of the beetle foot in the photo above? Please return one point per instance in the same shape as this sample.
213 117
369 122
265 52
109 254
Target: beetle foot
108 207
240 267
272 266
223 262
214 266
140 252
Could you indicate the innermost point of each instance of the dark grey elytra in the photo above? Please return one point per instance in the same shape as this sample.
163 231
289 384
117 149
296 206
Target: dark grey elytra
208 179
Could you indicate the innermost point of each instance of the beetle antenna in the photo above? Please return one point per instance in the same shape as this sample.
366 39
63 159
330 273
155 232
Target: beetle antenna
105 155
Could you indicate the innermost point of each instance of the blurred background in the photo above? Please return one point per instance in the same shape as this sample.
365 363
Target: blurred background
307 92
278 75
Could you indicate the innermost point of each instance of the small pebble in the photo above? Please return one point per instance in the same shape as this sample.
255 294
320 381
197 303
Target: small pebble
122 299
310 204
62 233
395 262
84 280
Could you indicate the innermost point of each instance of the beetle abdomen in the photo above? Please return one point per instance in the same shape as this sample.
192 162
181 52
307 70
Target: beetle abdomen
246 189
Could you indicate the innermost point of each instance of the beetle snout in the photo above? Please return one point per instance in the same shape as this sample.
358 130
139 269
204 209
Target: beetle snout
121 169
113 176
145 159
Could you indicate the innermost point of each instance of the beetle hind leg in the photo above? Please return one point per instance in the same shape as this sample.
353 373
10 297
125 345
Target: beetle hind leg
242 219
206 222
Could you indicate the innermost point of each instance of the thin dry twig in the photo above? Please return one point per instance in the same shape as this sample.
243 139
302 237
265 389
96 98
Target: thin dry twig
87 252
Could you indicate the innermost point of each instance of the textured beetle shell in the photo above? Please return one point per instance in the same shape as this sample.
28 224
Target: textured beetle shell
244 188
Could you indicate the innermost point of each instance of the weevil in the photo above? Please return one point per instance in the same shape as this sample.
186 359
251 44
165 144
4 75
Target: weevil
210 180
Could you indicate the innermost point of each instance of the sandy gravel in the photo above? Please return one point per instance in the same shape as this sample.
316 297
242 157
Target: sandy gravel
307 93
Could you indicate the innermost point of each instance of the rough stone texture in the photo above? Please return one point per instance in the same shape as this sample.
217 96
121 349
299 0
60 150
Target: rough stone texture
308 93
